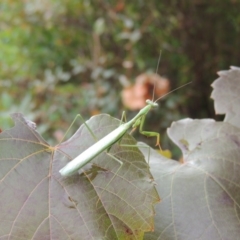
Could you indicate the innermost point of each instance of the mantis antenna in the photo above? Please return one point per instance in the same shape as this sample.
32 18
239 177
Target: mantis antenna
171 91
154 87
159 59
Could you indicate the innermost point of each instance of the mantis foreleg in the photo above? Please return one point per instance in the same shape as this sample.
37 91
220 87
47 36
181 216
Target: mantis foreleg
140 123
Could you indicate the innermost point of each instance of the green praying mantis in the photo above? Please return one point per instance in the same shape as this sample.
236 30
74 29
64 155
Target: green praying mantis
113 137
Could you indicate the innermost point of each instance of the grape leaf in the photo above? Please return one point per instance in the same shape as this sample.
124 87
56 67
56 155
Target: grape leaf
226 95
37 203
200 198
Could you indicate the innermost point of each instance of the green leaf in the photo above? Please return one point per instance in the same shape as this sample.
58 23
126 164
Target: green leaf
200 198
37 203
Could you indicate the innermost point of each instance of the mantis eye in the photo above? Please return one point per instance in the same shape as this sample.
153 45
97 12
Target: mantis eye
155 105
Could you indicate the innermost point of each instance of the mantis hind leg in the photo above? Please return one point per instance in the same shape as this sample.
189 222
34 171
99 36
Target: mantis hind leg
123 118
85 124
115 174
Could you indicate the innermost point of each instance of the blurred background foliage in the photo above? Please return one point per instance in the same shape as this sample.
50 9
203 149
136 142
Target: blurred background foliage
61 58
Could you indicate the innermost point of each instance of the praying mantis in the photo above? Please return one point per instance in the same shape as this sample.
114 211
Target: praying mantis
113 137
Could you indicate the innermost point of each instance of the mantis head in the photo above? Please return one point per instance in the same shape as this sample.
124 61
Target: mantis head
151 103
